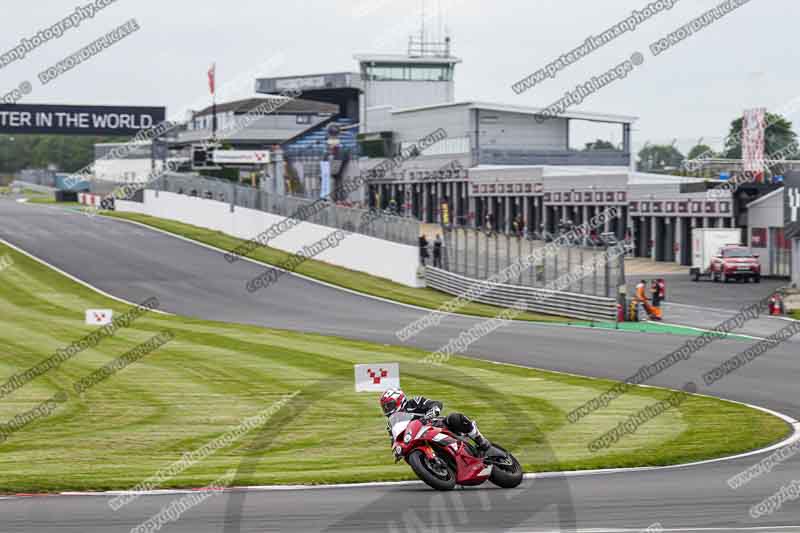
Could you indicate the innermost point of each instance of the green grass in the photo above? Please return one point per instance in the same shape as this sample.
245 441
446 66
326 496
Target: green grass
214 375
350 279
52 201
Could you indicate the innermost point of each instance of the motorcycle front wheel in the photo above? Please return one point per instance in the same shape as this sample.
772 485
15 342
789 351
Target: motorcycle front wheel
437 474
507 474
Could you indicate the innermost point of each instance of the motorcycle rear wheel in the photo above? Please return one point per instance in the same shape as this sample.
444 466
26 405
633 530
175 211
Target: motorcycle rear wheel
507 476
438 476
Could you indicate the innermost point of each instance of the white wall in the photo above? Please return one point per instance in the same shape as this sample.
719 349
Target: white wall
397 262
519 131
765 213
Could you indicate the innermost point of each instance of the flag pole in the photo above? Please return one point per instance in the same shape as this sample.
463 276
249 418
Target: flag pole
214 105
212 85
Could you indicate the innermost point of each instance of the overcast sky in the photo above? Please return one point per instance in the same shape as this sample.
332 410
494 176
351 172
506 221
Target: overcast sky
747 59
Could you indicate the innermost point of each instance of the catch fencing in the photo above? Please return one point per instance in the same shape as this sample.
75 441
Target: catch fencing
538 300
382 225
479 255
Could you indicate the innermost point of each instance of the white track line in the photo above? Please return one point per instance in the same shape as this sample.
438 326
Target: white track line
794 437
378 298
75 279
393 302
699 308
722 335
639 530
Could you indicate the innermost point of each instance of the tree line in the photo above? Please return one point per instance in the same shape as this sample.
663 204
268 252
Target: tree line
64 153
666 157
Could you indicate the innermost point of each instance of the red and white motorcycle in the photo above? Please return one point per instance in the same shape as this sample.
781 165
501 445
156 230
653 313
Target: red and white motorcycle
443 459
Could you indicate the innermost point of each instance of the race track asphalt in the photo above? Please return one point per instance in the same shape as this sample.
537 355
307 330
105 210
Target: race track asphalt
706 304
135 263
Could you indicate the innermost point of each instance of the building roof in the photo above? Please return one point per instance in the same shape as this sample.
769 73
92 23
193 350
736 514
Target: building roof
645 178
294 106
403 58
559 170
526 110
766 197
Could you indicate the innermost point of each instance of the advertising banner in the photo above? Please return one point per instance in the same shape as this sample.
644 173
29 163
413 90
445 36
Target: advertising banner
325 170
754 124
791 197
78 120
242 157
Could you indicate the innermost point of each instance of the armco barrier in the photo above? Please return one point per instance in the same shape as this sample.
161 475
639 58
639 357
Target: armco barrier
539 300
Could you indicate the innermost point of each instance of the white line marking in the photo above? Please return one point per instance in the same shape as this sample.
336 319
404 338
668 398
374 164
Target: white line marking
75 279
728 335
794 437
538 475
394 302
765 317
666 530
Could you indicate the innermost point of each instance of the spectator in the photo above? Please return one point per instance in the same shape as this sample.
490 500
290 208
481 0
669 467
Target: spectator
437 251
655 290
423 249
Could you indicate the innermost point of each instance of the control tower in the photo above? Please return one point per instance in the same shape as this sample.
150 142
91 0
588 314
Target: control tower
422 77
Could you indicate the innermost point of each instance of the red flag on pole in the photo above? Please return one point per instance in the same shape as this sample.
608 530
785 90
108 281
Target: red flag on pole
212 75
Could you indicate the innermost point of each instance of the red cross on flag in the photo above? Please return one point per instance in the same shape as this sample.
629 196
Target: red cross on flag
377 377
99 317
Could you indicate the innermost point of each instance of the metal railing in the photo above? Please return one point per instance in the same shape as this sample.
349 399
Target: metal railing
382 225
538 300
479 255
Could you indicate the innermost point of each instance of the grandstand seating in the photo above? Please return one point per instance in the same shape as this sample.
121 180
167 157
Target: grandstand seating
316 138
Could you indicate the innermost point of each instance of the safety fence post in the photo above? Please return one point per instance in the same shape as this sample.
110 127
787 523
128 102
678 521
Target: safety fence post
508 251
532 274
496 238
466 251
474 232
556 257
569 265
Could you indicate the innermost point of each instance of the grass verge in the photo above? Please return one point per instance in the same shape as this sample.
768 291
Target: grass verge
361 282
342 277
212 376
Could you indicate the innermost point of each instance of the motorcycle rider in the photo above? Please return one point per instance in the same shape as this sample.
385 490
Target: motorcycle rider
394 400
